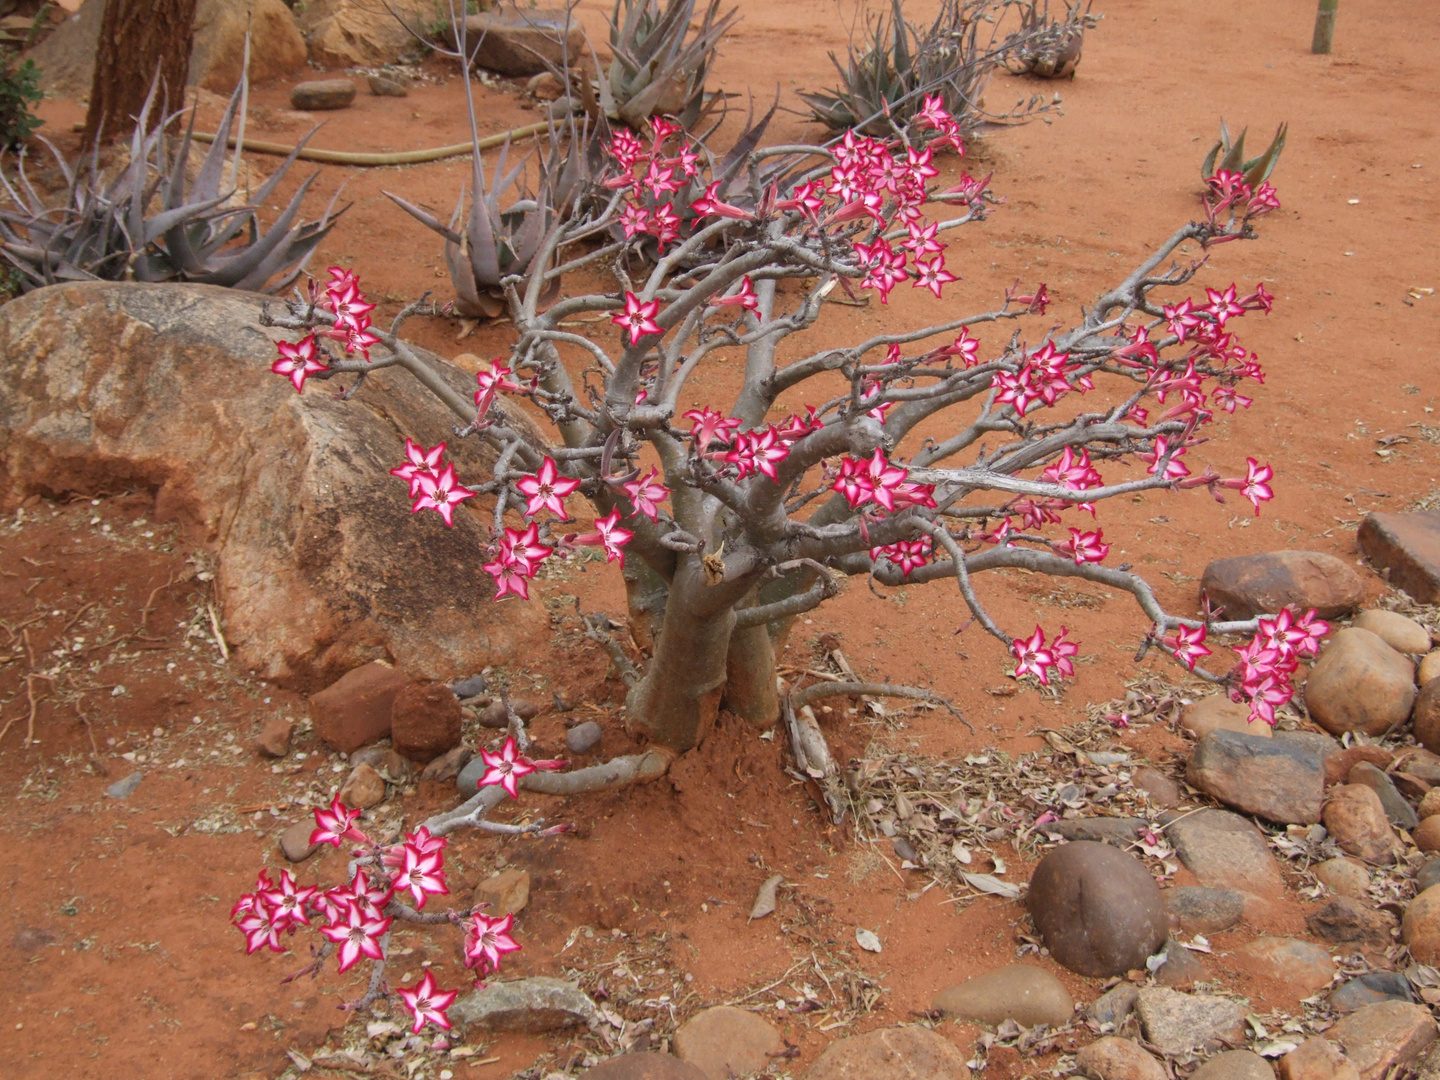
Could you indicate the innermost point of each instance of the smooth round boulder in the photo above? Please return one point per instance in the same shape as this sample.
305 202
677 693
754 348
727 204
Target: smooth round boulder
898 1053
1021 992
724 1041
1235 1065
1427 834
1360 684
1344 877
1114 1058
1400 632
1098 909
1429 668
322 94
1355 818
1425 720
1420 928
645 1067
1216 712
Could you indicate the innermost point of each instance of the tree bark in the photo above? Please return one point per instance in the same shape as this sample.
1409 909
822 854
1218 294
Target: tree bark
137 39
750 676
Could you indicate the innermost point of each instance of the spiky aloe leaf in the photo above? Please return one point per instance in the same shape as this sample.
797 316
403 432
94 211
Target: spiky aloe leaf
1230 155
655 70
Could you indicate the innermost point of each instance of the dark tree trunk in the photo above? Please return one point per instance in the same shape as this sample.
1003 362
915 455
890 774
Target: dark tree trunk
137 38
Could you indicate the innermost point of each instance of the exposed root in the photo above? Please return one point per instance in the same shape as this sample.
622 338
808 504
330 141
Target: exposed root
813 758
801 698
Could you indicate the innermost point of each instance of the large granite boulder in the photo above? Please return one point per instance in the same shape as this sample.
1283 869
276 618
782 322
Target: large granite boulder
321 566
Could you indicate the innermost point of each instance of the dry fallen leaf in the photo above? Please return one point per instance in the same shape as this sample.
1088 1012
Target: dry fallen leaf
867 940
990 884
766 896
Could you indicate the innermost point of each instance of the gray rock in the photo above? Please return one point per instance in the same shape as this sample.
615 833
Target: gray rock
1235 1065
1225 851
1397 809
1279 782
295 841
322 94
1318 741
1370 989
582 738
1205 911
387 86
468 780
1113 1006
1176 1023
1021 992
531 1005
123 789
1429 875
474 686
1097 908
1119 831
1347 919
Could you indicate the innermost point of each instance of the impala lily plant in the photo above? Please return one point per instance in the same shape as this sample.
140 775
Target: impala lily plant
732 518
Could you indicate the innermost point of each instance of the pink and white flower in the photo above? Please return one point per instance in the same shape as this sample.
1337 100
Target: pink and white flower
299 361
427 1002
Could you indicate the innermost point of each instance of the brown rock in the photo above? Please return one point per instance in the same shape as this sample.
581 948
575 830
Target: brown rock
1317 1059
506 892
546 86
295 841
448 765
1216 712
1181 969
523 43
1429 805
425 720
1400 632
1275 781
1176 1023
1159 788
1356 821
355 710
724 1041
274 738
1301 965
898 1053
361 33
1021 992
1429 668
1410 785
1399 812
1235 1065
322 94
1226 851
387 86
1113 1058
1381 1037
495 716
1418 762
1318 741
644 1067
1420 928
1205 911
322 566
1250 585
1427 834
1360 684
363 788
1408 546
1338 765
1098 909
1344 877
1345 919
1426 717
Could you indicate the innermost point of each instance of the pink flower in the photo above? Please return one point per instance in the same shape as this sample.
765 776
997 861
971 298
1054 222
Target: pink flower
418 460
1181 318
1085 547
626 149
744 297
369 898
661 129
658 179
1223 304
665 224
1188 645
546 489
261 925
922 241
805 198
638 318
519 557
967 348
1174 468
347 301
287 900
884 479
299 361
358 934
422 874
1035 303
1032 657
441 493
509 765
710 204
885 266
634 219
336 824
906 554
493 379
487 941
609 536
1257 487
428 1003
1017 388
758 453
854 483
709 426
646 492
932 275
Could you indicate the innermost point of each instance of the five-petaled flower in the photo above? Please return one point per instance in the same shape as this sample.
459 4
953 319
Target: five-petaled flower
418 461
428 1002
509 765
423 874
441 493
487 941
638 318
1034 657
546 490
1188 644
645 492
336 825
299 361
358 933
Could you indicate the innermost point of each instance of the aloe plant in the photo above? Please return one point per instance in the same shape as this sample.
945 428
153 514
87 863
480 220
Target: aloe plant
655 71
116 231
895 65
1052 45
1230 156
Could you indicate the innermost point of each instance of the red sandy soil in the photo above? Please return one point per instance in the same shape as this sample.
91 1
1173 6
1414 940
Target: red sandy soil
117 953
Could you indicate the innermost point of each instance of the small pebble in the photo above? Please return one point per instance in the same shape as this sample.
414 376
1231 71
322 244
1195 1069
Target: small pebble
583 738
122 789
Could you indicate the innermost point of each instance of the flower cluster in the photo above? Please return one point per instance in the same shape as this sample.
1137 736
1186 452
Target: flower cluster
432 481
351 328
1034 656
